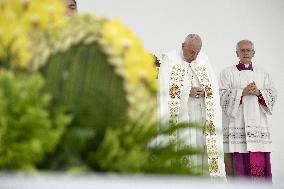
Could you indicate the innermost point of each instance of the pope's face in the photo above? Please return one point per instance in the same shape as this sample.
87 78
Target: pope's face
245 53
191 50
71 7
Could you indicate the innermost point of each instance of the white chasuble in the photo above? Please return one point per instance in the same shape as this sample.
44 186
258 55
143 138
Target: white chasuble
176 78
245 125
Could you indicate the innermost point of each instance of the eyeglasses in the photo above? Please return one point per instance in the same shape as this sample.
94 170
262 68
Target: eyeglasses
245 50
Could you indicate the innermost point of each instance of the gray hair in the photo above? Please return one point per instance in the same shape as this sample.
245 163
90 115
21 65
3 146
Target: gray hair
189 37
244 41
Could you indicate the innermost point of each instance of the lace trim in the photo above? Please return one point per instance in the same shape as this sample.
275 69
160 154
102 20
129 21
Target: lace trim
272 99
257 171
239 136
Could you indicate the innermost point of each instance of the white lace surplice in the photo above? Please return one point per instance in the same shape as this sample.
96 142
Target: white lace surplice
245 126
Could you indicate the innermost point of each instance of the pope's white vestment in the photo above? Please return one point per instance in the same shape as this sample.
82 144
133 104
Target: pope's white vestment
176 78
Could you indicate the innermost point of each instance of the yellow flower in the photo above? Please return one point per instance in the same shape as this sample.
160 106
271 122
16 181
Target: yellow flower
8 27
24 58
140 66
44 14
19 19
20 53
136 66
118 37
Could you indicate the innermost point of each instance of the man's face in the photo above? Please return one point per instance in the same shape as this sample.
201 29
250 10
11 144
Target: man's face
71 7
245 53
191 50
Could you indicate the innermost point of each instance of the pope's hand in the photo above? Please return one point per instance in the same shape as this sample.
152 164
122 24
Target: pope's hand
196 92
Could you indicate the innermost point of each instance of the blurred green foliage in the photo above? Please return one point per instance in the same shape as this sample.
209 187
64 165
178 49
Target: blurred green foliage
29 126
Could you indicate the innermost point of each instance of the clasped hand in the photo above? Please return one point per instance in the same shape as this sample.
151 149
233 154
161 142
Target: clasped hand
251 89
196 92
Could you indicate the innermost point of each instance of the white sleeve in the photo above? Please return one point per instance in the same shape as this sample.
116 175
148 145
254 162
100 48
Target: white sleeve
229 97
269 94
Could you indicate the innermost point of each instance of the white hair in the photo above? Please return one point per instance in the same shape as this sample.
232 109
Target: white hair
244 41
189 37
